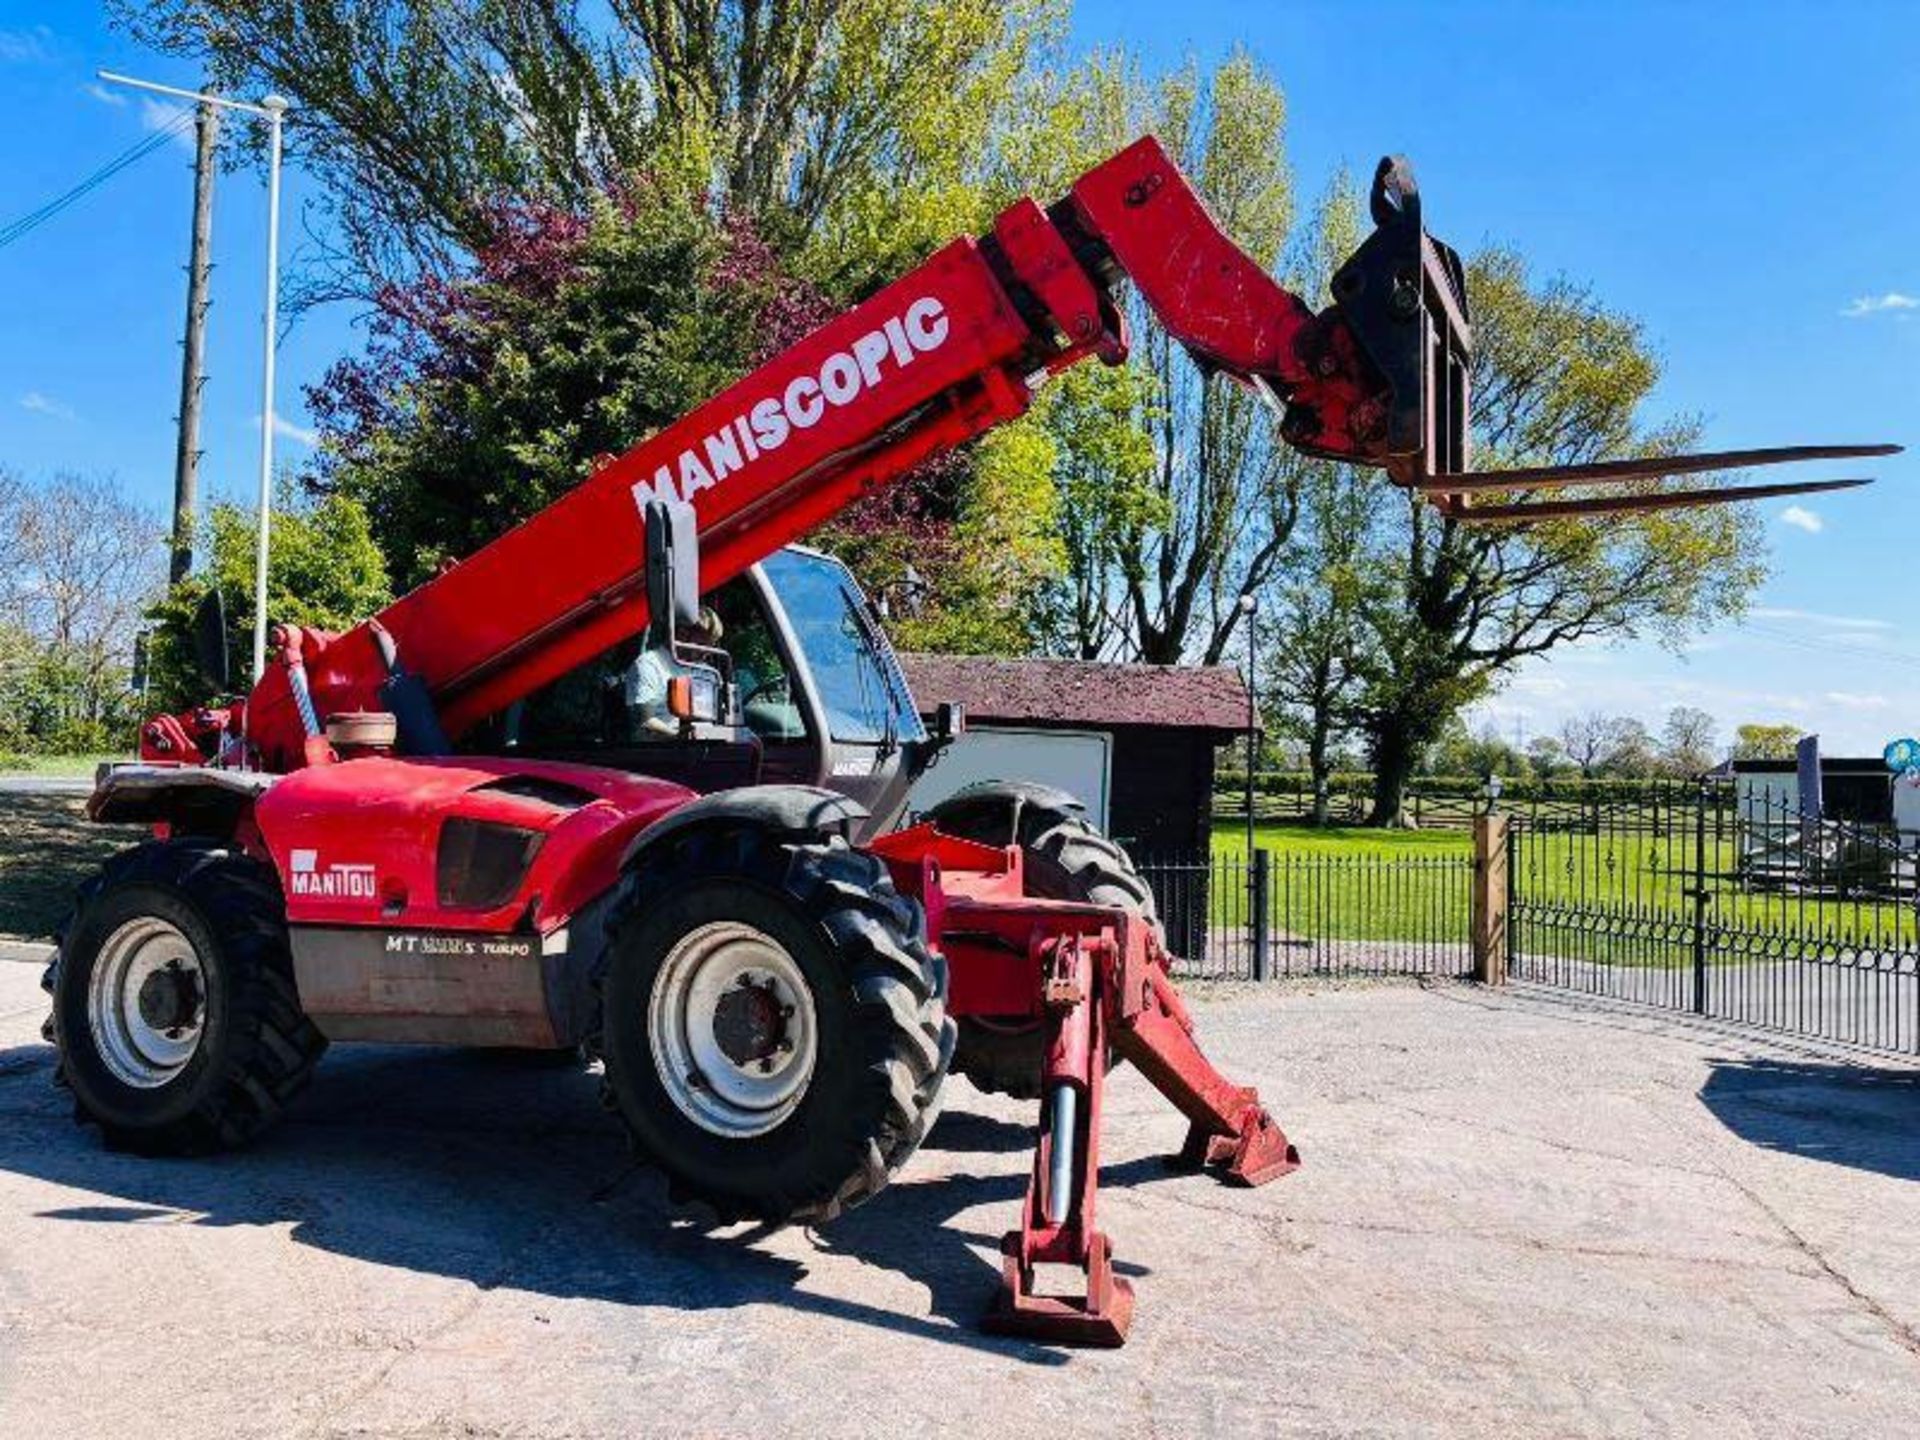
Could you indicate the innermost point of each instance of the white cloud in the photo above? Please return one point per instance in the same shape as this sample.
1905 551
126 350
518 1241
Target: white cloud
158 115
104 95
45 405
1815 617
287 430
24 47
1875 304
1801 518
1853 700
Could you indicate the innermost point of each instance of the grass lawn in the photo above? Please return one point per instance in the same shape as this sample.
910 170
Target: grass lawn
1348 884
1231 839
80 766
1616 898
47 847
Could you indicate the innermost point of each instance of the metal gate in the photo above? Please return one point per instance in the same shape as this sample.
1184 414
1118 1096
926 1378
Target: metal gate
1743 909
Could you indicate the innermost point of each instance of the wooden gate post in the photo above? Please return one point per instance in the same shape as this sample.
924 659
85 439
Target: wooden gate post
1490 893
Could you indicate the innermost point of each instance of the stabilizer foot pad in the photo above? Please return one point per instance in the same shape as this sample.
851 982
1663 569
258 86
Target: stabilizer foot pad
1260 1152
1100 1320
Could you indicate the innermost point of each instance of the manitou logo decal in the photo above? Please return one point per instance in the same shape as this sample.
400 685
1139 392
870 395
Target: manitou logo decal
768 424
335 882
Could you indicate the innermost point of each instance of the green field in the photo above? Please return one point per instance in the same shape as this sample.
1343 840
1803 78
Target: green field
77 766
1617 898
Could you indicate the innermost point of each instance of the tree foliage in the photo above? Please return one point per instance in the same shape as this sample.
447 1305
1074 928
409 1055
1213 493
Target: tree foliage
79 563
1766 742
850 128
575 222
482 399
1559 378
326 572
1178 495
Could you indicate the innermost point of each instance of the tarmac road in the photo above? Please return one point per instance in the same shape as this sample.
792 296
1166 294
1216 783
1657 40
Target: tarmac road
1519 1215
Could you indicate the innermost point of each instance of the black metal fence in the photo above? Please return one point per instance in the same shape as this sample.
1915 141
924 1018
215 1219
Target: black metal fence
1283 913
1725 904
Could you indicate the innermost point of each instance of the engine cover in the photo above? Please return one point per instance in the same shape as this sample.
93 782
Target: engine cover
452 901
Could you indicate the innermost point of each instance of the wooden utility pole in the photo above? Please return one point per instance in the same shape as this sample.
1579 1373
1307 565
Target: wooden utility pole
186 461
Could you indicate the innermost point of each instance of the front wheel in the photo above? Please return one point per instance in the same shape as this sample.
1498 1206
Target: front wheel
774 1026
174 1008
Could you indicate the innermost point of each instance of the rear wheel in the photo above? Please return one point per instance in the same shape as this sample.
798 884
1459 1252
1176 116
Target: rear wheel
1065 857
774 1026
174 1008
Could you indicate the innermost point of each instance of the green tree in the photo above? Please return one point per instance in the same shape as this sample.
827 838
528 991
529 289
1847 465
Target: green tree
1480 753
326 572
1559 377
1547 756
1313 624
1689 741
480 401
576 222
1165 537
1765 742
851 128
80 562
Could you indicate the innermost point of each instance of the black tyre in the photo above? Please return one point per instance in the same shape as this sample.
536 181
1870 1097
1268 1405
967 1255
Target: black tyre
773 1024
1066 858
174 1007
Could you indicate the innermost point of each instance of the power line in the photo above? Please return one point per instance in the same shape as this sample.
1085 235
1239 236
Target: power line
1828 647
33 220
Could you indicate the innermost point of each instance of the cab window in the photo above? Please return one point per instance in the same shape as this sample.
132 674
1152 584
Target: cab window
854 669
607 703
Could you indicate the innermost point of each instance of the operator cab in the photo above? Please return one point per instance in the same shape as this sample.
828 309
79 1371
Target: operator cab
817 697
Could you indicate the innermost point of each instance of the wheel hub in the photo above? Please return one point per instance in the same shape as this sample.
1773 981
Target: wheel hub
749 1024
733 1029
170 998
147 1002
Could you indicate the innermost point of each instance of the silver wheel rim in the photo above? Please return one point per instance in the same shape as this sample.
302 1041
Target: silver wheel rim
147 1002
733 1029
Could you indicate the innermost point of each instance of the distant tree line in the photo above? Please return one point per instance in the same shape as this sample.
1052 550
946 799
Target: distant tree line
91 640
1589 746
78 566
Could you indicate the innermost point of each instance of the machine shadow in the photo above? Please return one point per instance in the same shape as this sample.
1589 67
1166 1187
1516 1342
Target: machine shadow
1862 1117
470 1165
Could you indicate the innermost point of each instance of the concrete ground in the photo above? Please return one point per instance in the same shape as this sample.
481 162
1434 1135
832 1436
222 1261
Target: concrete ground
1519 1215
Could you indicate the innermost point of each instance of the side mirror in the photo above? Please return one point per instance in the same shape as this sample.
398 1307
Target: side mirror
209 636
949 722
673 570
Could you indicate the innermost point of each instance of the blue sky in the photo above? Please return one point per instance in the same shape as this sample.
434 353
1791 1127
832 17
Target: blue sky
1740 176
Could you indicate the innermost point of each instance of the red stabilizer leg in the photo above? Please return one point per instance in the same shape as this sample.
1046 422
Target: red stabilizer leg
1076 1054
1230 1131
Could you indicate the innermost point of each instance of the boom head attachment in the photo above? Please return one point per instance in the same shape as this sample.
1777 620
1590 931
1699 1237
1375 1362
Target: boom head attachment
1402 297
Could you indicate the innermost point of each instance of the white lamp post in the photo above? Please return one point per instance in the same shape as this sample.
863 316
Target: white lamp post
272 109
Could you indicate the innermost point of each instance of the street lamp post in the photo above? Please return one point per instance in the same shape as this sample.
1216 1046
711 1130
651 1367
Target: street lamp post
272 109
1249 607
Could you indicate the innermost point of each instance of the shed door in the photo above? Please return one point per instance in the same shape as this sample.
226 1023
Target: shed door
1077 761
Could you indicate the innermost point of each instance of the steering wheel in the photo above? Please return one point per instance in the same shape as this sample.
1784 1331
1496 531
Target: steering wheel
765 688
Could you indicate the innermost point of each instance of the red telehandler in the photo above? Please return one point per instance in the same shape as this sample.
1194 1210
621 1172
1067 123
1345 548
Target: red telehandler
523 807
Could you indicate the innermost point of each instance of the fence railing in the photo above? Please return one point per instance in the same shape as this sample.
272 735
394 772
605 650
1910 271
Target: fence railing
1228 917
1738 907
